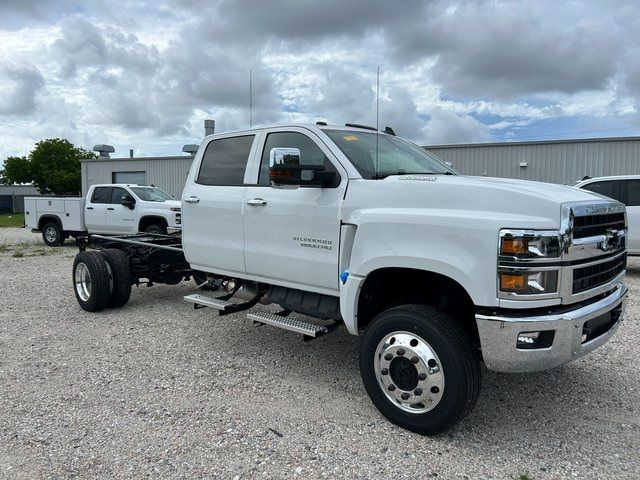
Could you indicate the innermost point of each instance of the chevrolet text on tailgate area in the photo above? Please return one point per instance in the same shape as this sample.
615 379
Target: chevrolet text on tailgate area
310 227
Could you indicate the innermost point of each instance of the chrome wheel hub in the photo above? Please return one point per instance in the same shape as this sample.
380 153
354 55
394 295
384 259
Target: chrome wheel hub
50 234
409 372
82 280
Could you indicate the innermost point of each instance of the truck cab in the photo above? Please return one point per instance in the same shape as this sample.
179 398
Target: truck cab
129 209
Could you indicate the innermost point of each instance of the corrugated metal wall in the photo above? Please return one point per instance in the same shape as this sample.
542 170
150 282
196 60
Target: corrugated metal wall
563 162
167 173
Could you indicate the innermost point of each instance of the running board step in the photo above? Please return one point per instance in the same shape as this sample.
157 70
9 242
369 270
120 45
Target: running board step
201 301
307 329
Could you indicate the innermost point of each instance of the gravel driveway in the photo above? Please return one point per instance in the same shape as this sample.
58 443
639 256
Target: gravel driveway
158 389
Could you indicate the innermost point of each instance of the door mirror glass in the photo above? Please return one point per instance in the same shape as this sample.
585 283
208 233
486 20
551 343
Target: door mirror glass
128 201
285 170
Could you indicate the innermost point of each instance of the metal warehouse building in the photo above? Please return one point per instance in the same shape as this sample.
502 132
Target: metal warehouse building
555 161
12 197
168 173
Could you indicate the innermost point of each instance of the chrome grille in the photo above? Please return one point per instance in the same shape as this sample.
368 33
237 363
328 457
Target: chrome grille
592 225
592 276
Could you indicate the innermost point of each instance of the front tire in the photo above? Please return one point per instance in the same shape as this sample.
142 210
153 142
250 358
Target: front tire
160 229
91 281
419 368
52 235
120 277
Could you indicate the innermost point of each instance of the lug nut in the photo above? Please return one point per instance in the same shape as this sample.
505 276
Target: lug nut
415 359
391 387
418 391
435 389
405 396
384 371
422 377
388 356
400 351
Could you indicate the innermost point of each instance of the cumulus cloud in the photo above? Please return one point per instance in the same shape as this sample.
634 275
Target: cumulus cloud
451 72
19 88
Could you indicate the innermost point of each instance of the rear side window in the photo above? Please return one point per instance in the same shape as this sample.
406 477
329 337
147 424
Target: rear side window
633 193
225 161
608 188
101 195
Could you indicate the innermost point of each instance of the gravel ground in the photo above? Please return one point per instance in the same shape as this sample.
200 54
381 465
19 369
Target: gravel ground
158 389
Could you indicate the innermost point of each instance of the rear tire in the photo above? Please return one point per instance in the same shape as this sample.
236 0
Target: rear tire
419 369
52 235
120 277
91 282
160 229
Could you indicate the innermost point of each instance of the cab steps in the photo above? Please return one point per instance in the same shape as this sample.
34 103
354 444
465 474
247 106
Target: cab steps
223 304
309 330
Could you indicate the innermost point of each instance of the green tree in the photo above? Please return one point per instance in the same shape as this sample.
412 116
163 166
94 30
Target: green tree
53 166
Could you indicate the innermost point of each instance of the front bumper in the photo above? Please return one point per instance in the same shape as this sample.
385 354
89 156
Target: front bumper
499 335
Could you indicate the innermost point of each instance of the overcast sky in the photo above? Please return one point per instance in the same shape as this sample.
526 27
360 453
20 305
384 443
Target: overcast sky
144 75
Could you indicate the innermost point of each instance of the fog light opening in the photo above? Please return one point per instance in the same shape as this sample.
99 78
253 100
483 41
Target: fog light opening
535 340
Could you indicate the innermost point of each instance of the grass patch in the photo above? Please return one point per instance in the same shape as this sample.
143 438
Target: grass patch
18 254
12 220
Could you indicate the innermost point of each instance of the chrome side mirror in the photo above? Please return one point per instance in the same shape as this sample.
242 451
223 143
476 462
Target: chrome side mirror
284 156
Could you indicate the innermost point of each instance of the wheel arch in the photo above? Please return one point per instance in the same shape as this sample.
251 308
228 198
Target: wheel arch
388 287
148 220
44 219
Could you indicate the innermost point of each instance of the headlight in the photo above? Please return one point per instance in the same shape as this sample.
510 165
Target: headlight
529 282
529 244
525 268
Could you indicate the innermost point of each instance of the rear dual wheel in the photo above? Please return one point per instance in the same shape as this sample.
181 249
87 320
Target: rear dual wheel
419 368
101 279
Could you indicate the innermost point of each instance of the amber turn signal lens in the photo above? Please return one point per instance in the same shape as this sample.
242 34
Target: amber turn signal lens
512 282
514 246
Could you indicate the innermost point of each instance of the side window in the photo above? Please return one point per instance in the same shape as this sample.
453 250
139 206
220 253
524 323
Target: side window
310 152
603 188
633 193
116 195
101 195
225 161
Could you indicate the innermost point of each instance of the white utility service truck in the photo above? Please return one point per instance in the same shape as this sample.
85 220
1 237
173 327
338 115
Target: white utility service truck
347 225
111 209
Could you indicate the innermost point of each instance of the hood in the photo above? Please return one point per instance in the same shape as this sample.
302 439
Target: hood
173 203
518 203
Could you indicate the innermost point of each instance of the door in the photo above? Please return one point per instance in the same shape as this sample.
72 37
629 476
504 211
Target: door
118 218
633 215
292 235
95 210
212 227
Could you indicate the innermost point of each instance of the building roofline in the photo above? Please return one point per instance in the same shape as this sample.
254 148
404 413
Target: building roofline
128 159
533 142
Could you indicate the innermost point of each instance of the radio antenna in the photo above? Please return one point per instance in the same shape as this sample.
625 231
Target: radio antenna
377 113
250 98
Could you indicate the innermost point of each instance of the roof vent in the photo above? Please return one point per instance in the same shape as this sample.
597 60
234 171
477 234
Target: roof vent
190 148
209 127
103 150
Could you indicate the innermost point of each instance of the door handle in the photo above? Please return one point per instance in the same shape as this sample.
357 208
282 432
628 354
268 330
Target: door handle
257 202
109 208
192 199
89 208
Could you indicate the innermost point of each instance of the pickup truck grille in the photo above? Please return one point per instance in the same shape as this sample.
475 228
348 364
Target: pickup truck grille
592 225
586 278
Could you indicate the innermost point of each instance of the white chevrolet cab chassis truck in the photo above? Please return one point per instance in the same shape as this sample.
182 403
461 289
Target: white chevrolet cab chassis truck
351 226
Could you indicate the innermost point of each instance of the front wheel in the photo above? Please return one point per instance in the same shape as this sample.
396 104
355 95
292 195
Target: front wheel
419 369
161 229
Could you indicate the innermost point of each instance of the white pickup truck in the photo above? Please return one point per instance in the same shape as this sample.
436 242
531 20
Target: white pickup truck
108 209
437 272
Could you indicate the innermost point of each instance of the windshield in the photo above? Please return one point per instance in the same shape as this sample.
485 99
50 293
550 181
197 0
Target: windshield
151 194
395 156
